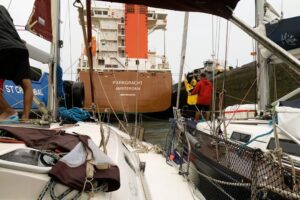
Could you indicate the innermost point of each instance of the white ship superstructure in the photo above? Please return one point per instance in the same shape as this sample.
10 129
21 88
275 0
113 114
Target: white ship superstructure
109 29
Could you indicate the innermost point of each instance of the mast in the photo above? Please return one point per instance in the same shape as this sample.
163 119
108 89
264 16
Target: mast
183 50
89 49
263 84
55 51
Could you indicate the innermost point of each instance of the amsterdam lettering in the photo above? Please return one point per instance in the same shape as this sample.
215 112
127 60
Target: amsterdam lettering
128 85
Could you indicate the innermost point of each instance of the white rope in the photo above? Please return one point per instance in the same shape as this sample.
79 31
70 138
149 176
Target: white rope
136 103
122 104
142 148
70 39
221 182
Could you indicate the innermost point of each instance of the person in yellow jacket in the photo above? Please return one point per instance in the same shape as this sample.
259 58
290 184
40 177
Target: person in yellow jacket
191 99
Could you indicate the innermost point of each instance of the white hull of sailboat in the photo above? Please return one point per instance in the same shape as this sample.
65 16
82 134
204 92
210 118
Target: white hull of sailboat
22 182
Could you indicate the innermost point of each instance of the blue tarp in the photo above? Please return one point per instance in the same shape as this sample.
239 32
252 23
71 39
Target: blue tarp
14 94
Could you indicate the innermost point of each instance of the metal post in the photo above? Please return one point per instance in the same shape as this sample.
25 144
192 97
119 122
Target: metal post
89 49
55 51
183 50
263 85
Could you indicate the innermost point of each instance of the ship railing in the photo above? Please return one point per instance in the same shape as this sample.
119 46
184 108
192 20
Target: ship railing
119 62
128 69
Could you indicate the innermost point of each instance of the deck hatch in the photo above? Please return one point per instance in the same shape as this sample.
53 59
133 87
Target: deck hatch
242 137
28 156
288 146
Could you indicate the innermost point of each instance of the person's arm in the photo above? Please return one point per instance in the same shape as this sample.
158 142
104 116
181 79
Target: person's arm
196 89
28 97
1 86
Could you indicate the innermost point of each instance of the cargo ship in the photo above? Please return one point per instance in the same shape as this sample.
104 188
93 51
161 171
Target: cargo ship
126 76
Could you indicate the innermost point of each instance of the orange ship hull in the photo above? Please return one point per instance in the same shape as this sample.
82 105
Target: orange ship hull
129 91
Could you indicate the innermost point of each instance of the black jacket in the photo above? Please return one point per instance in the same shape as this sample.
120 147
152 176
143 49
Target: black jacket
9 37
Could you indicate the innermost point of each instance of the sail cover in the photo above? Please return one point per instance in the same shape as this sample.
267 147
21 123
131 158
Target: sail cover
288 114
39 22
295 103
285 33
222 8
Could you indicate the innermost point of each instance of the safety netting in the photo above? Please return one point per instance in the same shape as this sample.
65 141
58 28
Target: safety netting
223 169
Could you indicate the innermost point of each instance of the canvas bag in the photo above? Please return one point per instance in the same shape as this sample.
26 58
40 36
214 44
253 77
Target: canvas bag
86 162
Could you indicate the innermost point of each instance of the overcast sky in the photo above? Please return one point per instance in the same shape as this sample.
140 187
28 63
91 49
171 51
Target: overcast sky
199 43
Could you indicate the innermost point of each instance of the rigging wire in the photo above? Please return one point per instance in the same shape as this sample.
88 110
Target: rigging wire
248 91
292 75
9 4
237 98
222 100
281 10
106 96
66 17
71 65
70 39
122 103
212 33
137 62
218 30
214 58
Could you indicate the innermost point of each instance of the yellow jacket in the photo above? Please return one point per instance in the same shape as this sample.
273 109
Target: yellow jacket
191 99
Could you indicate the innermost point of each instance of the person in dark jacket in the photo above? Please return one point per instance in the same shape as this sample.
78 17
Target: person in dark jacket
204 91
14 65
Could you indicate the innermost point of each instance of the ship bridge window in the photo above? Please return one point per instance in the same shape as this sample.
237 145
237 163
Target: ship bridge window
105 12
160 16
98 12
288 146
130 9
240 137
101 61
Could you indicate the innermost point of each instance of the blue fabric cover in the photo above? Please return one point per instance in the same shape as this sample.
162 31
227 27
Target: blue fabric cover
285 33
73 114
60 86
291 103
